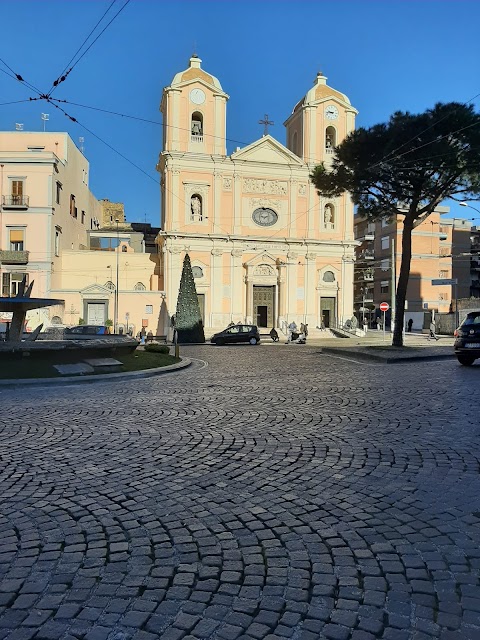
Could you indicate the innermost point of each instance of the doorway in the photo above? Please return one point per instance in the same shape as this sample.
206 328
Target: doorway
262 315
264 306
327 311
96 313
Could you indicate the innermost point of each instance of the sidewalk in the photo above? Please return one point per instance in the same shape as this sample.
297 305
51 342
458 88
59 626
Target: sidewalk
373 347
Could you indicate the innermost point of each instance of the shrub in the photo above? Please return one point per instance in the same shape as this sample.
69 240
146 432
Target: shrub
157 348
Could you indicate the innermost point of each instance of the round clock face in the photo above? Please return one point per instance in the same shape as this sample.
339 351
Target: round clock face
331 112
264 217
197 96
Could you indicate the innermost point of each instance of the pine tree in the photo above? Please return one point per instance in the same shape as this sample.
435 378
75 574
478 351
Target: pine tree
188 321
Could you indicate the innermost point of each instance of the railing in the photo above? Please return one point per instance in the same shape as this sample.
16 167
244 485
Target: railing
15 202
367 255
196 138
13 257
329 150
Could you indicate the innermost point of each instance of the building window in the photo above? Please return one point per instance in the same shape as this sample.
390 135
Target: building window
16 239
197 272
58 193
329 276
197 127
385 264
57 243
17 191
140 287
329 216
149 308
384 286
11 283
196 208
385 242
73 208
330 139
83 217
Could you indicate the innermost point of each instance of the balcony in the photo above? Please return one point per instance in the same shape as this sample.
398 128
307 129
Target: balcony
13 257
367 276
368 236
15 202
474 265
196 138
366 255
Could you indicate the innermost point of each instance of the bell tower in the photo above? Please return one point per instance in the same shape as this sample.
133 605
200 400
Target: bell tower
319 122
194 110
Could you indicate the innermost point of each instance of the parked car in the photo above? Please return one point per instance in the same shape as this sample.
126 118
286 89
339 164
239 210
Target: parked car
467 339
237 333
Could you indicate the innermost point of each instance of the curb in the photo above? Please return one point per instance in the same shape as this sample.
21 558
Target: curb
101 377
385 359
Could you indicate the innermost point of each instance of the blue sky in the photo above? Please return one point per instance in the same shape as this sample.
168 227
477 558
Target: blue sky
385 55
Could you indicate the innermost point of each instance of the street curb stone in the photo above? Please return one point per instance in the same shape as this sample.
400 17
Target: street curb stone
363 355
144 373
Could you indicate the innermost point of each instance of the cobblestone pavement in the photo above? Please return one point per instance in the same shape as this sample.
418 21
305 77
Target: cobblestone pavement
275 493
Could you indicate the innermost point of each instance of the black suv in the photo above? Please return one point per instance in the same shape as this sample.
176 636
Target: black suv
467 339
237 333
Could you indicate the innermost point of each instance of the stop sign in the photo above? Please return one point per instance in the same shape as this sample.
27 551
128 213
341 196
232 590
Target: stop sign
384 306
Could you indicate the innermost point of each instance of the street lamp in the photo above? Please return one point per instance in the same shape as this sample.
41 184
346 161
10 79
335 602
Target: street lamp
465 204
115 320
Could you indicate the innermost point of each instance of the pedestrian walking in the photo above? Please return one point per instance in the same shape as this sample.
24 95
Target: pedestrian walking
433 331
379 324
409 325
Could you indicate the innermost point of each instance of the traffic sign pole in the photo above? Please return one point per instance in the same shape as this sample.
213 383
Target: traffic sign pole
384 307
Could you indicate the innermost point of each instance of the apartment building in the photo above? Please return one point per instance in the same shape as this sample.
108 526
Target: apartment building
73 247
440 250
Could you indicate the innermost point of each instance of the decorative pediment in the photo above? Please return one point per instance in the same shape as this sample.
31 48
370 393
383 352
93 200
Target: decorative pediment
269 151
95 289
263 259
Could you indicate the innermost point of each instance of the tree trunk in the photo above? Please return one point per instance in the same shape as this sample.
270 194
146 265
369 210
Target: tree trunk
401 293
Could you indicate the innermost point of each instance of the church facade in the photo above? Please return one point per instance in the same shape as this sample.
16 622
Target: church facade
265 248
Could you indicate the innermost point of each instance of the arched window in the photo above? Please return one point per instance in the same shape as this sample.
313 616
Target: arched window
197 272
330 139
139 287
329 276
329 216
197 127
196 208
56 320
294 143
110 286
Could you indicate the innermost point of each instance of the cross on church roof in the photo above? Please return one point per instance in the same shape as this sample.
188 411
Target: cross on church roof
266 122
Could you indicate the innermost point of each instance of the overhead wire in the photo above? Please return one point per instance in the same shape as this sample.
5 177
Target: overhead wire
62 77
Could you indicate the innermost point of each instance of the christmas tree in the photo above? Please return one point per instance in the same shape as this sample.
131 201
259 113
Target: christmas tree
188 321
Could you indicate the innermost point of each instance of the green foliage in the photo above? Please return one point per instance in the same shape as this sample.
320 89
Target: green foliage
188 321
109 323
407 167
81 321
153 347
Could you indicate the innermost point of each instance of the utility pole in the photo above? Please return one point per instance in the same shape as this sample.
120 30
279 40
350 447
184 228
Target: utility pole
394 282
115 321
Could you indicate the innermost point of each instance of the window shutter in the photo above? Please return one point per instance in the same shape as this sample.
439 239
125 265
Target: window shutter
16 235
6 284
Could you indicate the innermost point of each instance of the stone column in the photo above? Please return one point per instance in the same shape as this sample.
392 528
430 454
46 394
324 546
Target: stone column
238 302
237 202
216 288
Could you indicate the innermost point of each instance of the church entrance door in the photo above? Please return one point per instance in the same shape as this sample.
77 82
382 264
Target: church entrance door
263 306
327 311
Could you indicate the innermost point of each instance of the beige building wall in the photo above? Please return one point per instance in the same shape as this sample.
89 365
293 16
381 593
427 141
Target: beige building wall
46 201
257 233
